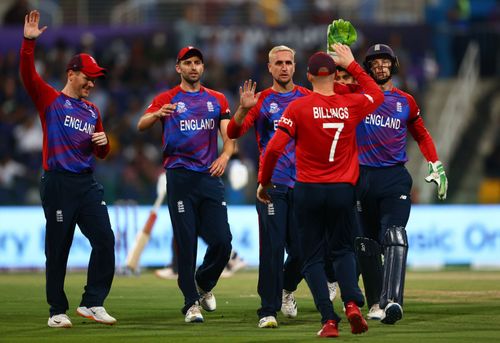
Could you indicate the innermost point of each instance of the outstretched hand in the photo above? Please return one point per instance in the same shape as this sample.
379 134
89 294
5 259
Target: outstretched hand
31 21
248 99
343 55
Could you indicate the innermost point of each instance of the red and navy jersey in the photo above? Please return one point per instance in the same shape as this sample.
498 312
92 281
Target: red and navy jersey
324 129
190 133
67 123
265 116
382 135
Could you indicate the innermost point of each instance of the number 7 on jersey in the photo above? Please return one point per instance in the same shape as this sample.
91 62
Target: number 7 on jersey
339 127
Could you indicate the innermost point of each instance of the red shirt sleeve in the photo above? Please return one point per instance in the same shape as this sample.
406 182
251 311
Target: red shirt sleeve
225 111
419 132
235 131
274 149
40 92
372 96
276 146
160 100
340 88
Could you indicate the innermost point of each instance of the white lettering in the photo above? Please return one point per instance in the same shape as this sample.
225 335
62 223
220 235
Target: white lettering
328 113
378 120
286 121
197 125
78 124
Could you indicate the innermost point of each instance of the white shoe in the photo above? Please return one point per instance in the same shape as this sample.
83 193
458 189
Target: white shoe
59 321
332 289
268 322
166 273
375 313
193 314
97 313
207 300
288 305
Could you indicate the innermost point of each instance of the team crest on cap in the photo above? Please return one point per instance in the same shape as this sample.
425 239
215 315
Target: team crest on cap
181 107
274 108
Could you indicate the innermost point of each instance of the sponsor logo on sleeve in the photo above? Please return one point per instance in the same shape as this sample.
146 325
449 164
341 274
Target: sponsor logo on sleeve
286 121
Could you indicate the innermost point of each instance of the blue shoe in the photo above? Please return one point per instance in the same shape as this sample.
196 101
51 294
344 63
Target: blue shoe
393 313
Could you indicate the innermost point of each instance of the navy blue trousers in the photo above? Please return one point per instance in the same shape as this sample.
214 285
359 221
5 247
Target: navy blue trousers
69 199
384 194
197 209
277 232
325 216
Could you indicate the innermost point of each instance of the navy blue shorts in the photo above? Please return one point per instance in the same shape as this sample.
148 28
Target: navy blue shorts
69 199
385 200
325 216
198 209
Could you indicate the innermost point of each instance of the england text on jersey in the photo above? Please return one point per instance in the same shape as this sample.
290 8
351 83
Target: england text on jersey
378 120
196 125
79 125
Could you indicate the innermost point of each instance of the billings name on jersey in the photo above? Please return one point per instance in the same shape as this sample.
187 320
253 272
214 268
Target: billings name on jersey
327 113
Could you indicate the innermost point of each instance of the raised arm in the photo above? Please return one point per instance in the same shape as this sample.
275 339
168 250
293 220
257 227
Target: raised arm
40 92
239 123
31 23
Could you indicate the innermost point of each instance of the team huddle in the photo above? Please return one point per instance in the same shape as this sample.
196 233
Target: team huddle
333 189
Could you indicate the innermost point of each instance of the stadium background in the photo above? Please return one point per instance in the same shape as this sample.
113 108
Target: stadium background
449 51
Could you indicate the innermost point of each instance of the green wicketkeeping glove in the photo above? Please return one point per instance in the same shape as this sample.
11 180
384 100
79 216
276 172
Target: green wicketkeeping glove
340 31
437 175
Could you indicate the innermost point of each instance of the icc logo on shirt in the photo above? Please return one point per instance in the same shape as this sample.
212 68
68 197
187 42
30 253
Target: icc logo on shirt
181 107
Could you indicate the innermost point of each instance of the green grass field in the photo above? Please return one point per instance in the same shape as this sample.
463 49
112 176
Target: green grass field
449 306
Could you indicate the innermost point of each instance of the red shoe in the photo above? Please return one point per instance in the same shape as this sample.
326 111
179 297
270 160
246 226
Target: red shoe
358 323
330 329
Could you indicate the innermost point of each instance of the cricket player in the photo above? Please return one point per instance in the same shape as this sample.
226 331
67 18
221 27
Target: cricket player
343 77
72 134
385 185
277 225
192 116
323 125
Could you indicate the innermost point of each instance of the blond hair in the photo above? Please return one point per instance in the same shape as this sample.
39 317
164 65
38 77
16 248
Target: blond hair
278 48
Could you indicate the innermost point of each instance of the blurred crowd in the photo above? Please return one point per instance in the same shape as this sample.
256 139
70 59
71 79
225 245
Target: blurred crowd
142 65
